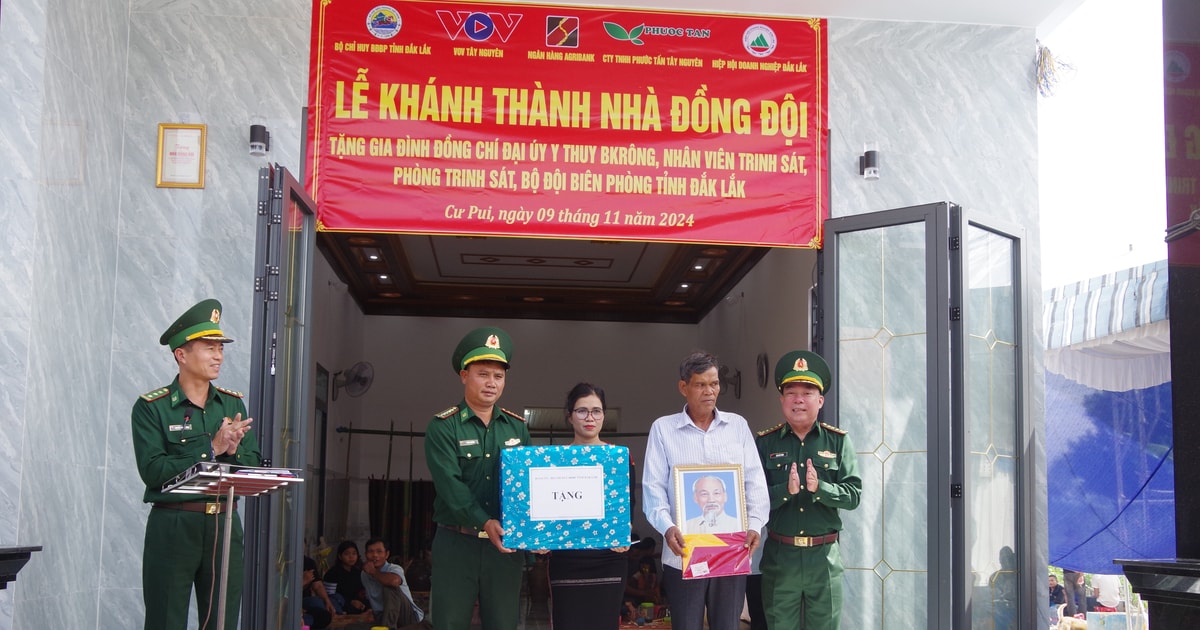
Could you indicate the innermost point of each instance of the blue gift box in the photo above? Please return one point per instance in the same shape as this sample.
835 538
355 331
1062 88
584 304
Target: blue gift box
595 478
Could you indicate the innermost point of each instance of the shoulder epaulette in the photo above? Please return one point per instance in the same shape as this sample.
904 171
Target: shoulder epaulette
155 395
447 413
772 429
833 429
228 391
514 414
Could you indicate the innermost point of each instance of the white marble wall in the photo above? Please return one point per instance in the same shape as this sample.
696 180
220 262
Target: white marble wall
953 109
97 260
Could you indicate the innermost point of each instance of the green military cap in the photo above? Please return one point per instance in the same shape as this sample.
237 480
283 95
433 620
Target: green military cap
804 367
482 344
202 321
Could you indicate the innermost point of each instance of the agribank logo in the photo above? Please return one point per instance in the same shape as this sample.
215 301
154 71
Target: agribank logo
479 26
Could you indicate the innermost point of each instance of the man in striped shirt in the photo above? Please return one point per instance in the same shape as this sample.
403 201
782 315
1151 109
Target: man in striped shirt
700 434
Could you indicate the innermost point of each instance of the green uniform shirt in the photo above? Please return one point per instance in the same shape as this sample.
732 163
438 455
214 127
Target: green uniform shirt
464 458
170 435
838 483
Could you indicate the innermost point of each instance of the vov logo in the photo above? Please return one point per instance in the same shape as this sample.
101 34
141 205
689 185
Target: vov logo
479 26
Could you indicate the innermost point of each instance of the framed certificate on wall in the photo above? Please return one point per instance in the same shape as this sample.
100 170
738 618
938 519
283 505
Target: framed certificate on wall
565 497
181 155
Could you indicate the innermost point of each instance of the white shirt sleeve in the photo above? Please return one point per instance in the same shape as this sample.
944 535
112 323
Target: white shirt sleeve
656 476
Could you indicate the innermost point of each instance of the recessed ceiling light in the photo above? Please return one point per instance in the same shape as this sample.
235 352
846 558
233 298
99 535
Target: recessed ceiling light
383 277
376 257
534 298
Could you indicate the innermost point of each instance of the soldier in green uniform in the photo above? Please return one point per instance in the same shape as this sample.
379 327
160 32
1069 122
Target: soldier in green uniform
462 448
174 427
811 474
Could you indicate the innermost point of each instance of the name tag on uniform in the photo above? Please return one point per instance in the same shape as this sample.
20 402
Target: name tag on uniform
776 455
512 441
468 442
826 454
179 427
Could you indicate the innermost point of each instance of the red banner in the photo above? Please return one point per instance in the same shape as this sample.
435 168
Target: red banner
1181 73
567 122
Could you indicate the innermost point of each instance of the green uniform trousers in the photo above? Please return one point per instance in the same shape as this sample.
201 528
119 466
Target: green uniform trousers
801 584
182 550
465 569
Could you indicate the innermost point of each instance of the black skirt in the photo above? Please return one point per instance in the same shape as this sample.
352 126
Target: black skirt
587 588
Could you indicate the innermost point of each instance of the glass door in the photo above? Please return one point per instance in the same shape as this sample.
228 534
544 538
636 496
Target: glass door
920 327
280 377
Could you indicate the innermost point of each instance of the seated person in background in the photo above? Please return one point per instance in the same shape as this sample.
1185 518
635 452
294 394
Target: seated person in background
391 599
641 587
1057 597
348 597
315 603
642 548
1106 593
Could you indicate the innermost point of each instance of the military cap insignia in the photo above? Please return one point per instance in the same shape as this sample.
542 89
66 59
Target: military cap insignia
833 429
771 430
492 342
801 365
230 392
216 317
155 395
447 413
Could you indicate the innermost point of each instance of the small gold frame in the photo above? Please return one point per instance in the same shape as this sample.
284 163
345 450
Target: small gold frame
181 155
688 512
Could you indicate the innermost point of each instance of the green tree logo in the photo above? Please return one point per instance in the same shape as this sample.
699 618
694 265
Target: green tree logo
618 32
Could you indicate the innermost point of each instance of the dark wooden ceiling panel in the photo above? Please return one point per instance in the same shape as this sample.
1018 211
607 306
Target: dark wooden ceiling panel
449 276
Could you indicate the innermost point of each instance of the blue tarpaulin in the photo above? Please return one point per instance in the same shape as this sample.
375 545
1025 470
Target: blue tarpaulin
1110 478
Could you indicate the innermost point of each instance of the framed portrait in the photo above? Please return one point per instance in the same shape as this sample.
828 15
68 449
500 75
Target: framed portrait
709 499
181 156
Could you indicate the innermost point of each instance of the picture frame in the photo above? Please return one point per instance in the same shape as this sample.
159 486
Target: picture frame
181 154
718 486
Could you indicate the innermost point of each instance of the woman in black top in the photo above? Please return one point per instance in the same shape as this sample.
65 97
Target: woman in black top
587 585
349 597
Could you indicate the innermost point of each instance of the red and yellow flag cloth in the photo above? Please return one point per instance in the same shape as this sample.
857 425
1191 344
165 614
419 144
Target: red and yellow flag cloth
715 555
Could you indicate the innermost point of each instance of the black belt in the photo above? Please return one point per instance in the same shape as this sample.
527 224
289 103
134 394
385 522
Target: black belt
466 531
216 507
803 541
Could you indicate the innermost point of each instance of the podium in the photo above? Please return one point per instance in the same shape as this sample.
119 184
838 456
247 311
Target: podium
229 481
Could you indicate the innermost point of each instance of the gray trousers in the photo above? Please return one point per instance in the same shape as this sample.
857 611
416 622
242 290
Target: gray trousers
398 614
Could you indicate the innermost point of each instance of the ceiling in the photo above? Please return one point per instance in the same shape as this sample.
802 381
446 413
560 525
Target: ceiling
468 276
448 276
